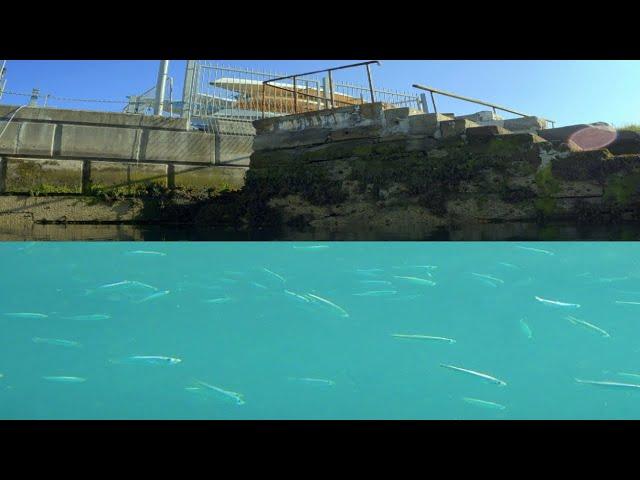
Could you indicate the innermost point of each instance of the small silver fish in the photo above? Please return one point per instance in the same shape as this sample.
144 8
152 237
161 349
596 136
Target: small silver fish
64 379
376 293
484 403
321 382
475 374
342 311
488 277
89 317
26 315
310 247
537 250
416 280
56 341
218 300
423 337
153 296
221 393
577 321
526 329
146 253
556 303
149 359
609 384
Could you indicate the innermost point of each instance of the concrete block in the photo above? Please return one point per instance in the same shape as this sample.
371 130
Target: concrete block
453 128
43 176
217 177
86 117
485 116
370 131
9 139
525 124
426 124
234 149
289 139
486 131
120 174
163 146
98 142
36 139
343 117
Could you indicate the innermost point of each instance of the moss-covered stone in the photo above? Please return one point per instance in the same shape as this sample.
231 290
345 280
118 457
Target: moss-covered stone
621 189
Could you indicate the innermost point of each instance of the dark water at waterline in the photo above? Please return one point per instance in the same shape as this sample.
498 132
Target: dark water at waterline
487 232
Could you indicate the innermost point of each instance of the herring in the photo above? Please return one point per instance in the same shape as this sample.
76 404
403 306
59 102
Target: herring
343 312
416 280
423 337
56 341
577 321
526 329
65 379
557 303
26 315
475 374
238 398
609 384
484 403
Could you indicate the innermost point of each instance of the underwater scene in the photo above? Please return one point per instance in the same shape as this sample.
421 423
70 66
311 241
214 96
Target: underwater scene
335 330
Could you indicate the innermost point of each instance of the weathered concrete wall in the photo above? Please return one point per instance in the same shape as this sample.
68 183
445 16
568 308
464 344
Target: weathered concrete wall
392 169
45 150
41 176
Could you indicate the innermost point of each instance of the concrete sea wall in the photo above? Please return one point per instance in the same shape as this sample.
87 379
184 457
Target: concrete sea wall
392 169
46 154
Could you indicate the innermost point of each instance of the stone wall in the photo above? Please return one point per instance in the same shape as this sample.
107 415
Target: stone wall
392 169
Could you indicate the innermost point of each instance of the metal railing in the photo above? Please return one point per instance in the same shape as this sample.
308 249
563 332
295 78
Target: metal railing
472 100
330 100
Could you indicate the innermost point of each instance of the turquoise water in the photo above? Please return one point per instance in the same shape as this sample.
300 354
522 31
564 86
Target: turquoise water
306 331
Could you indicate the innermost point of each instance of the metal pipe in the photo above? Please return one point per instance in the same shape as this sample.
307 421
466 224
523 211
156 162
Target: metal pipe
322 71
331 88
295 96
370 82
187 89
433 100
160 87
264 86
469 99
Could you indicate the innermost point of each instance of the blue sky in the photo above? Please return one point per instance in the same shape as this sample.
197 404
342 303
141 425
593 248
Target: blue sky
566 91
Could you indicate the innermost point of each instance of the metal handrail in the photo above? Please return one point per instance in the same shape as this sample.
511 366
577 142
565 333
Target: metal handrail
473 100
329 73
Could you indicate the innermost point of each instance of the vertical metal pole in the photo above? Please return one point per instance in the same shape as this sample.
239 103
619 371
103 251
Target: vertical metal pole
325 91
264 85
295 96
171 97
33 101
3 82
187 89
433 100
160 87
331 88
373 100
425 104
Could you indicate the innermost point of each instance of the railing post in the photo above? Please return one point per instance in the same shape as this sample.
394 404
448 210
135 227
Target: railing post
433 100
325 91
295 96
373 100
264 85
425 104
331 88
